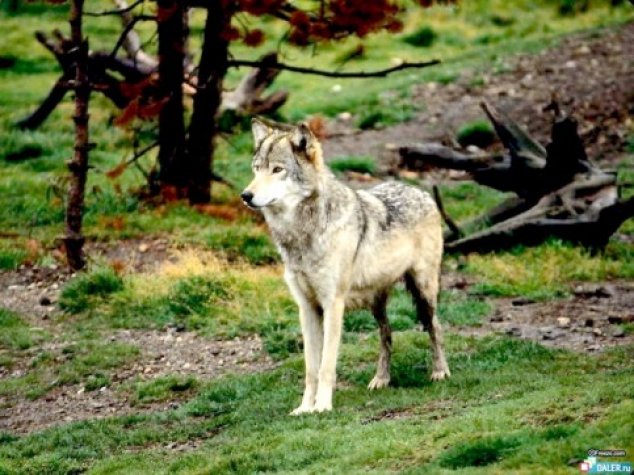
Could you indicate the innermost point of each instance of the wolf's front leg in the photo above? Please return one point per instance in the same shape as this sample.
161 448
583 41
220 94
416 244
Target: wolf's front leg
333 323
312 333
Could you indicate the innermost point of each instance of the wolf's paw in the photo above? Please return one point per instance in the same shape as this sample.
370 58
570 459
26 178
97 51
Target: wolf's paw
302 410
379 382
440 374
322 408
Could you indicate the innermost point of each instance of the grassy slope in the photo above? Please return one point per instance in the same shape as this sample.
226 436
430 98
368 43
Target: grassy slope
511 406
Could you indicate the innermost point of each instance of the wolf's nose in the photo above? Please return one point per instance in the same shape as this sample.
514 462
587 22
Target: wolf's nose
246 196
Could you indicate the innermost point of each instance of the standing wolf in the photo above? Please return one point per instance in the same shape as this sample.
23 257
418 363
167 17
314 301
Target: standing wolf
343 248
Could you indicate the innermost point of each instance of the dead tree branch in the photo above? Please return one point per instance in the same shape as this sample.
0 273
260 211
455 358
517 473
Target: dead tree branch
559 192
236 63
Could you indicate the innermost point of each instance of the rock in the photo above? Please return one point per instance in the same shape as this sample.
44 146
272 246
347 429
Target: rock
618 333
143 247
344 116
589 291
336 88
563 321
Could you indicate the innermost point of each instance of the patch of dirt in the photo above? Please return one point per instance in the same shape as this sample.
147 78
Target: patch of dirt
33 290
589 321
162 353
591 74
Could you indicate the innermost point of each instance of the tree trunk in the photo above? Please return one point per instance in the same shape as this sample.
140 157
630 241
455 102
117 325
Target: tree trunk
203 127
171 51
78 166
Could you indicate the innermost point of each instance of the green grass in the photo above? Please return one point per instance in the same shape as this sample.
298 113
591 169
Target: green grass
479 133
510 407
83 291
15 334
547 271
355 164
424 37
532 408
86 362
162 388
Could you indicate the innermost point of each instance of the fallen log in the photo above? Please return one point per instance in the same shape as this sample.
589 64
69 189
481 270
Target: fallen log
559 192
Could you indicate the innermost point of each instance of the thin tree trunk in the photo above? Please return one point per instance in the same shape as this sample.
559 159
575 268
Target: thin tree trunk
78 166
203 127
172 167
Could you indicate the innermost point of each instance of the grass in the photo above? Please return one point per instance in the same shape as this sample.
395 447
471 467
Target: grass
15 334
533 407
162 388
86 362
547 271
355 164
479 133
510 407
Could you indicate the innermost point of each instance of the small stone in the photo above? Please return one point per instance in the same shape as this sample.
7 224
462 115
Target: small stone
584 49
336 88
143 247
618 333
563 321
497 318
344 116
597 331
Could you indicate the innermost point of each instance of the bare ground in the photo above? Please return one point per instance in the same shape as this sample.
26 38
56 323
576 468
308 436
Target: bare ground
162 354
591 74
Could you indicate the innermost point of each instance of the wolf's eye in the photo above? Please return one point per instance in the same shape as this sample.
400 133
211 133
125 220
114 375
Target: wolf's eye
278 170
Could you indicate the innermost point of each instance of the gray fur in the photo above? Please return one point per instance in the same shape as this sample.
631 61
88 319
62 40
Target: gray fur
344 248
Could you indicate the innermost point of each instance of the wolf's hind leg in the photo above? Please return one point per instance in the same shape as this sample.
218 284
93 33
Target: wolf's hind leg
424 290
379 310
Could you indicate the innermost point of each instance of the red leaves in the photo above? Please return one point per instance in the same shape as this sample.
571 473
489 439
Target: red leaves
260 7
344 17
144 101
164 14
230 33
254 37
117 171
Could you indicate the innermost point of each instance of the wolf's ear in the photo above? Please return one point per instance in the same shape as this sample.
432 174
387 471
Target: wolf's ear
304 142
302 137
260 130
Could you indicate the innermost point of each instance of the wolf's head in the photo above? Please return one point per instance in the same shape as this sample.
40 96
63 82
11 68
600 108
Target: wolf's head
286 163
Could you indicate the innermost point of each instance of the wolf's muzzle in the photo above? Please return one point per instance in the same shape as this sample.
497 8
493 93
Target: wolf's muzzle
247 197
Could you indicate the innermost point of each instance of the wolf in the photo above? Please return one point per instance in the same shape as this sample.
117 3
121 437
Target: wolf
343 248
